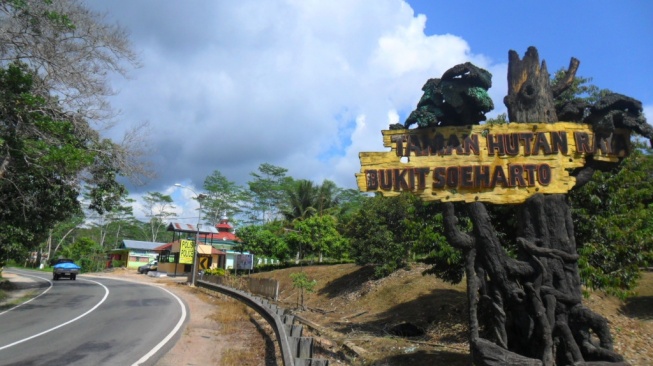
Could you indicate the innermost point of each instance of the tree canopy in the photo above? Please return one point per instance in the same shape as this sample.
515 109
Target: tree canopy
55 57
613 219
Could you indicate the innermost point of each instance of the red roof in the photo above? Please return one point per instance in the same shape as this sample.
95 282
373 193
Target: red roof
224 231
163 247
224 225
169 246
224 236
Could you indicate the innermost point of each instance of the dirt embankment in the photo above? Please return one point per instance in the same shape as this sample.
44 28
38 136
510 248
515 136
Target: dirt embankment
373 317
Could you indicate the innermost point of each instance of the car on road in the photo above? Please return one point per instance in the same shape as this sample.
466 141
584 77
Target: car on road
152 266
65 268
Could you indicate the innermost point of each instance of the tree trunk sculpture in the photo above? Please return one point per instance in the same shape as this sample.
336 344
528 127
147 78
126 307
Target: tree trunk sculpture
529 310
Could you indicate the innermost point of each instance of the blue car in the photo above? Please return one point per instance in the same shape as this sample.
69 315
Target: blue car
65 268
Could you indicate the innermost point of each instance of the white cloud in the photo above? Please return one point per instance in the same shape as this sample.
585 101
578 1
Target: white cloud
305 85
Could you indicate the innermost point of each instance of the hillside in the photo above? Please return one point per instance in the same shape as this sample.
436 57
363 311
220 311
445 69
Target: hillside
366 318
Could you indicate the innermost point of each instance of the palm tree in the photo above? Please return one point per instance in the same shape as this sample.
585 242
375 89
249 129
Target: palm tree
305 199
301 198
327 196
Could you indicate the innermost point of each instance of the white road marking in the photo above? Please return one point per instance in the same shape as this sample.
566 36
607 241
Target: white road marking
106 294
165 340
36 297
143 359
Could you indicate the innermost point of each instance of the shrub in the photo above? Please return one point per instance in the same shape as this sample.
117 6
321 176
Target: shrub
116 263
215 272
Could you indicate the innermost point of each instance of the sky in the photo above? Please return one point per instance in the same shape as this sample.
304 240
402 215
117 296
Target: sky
307 84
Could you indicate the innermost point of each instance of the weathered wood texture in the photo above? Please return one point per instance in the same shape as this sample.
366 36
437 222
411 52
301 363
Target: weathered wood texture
532 305
408 155
529 98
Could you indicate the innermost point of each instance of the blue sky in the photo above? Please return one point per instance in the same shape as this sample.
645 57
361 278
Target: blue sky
612 39
308 84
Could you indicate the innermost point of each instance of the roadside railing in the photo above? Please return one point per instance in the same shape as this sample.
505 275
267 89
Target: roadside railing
295 349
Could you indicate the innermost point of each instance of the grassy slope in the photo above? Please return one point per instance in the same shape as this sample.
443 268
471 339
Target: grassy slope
353 309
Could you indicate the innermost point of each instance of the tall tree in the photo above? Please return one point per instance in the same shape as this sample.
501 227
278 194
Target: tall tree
61 234
267 190
108 224
265 240
71 50
319 235
349 202
327 197
224 197
303 198
42 161
158 208
379 234
300 200
55 57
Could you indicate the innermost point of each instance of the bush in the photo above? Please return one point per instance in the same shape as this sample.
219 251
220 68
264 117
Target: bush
215 272
116 263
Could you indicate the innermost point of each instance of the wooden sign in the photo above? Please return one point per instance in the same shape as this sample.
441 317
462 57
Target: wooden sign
504 163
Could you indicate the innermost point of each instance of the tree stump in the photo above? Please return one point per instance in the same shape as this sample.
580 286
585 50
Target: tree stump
531 305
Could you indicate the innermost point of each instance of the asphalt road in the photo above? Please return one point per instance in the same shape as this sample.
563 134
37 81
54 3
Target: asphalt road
90 321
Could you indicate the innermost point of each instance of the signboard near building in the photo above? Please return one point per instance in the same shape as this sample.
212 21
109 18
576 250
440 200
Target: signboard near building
186 251
245 261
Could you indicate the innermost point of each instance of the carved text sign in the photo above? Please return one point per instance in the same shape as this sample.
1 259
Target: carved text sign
504 163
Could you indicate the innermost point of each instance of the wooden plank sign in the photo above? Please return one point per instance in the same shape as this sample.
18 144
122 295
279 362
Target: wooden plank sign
503 163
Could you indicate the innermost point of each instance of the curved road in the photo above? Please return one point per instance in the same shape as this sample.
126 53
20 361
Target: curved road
90 321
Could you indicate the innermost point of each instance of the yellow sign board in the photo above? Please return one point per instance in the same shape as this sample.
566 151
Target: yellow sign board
203 263
186 251
505 163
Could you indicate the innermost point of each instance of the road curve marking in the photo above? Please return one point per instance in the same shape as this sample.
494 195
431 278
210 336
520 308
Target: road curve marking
165 340
35 297
106 294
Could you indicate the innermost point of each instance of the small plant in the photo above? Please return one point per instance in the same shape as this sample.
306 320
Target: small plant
215 272
300 281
